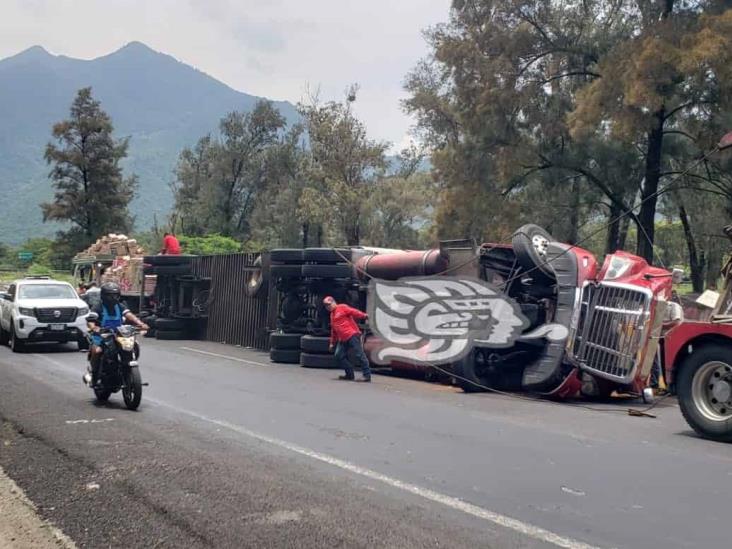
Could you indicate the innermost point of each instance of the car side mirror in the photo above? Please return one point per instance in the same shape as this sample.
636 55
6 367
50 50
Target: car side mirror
677 276
92 317
3 296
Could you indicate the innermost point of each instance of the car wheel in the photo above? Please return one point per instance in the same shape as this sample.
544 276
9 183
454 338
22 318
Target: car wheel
4 338
704 387
530 244
16 345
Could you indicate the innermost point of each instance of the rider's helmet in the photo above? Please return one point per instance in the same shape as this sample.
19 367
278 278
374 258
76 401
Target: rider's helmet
110 293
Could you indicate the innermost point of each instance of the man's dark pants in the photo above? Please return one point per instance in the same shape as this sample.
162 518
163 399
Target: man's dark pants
341 354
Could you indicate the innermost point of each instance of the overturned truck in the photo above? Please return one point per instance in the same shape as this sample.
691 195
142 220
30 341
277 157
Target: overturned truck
613 313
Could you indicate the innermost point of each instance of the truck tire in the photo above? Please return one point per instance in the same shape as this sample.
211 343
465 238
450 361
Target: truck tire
529 245
285 356
169 324
310 360
285 271
286 256
315 344
327 271
4 336
704 379
284 342
327 255
161 260
170 335
468 373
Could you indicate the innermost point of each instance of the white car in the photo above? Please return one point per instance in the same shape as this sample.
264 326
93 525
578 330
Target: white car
39 309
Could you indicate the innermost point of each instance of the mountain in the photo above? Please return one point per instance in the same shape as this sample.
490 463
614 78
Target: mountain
161 103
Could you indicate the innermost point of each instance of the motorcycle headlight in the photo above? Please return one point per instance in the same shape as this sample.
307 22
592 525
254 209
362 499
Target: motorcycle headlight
83 311
618 267
25 311
126 343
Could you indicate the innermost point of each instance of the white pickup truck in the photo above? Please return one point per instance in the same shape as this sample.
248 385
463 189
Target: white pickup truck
39 309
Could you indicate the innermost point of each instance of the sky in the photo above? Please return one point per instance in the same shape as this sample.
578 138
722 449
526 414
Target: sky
273 48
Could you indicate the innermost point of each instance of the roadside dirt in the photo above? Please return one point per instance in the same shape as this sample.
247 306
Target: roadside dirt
20 525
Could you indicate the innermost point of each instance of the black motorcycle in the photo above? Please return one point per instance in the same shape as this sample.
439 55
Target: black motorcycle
119 368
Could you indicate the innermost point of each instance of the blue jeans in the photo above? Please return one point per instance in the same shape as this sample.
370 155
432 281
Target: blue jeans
341 354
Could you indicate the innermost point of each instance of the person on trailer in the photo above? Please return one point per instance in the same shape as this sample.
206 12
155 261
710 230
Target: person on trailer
112 313
345 336
171 246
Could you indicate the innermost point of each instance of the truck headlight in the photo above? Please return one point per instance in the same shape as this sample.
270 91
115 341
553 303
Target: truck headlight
83 311
25 311
617 267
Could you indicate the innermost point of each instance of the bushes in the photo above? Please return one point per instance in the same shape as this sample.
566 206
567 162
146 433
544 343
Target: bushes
208 245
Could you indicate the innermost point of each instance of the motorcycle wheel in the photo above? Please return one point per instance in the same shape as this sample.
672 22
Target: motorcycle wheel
102 394
132 391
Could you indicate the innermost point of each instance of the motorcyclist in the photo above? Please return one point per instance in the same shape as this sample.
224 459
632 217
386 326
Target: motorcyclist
112 313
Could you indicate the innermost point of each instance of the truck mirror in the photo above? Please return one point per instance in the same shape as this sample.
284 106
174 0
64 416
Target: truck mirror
677 276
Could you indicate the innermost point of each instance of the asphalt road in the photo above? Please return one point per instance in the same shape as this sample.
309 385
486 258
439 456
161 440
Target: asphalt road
228 450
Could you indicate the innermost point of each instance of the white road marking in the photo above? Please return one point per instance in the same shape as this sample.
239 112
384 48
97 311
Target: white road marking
454 503
75 421
226 357
457 504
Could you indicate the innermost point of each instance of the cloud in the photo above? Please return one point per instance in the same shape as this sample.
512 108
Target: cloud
270 49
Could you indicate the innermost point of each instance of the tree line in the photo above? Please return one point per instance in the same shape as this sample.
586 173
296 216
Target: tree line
593 118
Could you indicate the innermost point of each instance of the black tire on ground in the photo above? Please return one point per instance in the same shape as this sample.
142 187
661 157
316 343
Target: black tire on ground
695 397
102 394
132 391
315 345
169 324
529 245
256 281
310 360
171 270
327 271
286 255
160 260
285 356
4 336
285 342
327 255
468 376
172 335
16 345
285 271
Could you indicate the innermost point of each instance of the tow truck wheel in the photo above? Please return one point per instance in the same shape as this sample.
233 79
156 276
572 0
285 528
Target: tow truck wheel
705 391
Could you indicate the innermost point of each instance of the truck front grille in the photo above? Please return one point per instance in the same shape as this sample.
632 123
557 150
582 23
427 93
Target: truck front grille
612 325
56 315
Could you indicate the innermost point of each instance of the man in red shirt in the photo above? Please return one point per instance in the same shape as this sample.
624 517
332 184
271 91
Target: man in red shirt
345 335
171 246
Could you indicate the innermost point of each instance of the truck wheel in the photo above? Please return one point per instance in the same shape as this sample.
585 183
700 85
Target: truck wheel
530 246
16 345
285 356
471 373
705 391
4 338
285 342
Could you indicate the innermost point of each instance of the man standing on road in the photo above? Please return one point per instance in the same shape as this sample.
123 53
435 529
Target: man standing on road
345 335
171 246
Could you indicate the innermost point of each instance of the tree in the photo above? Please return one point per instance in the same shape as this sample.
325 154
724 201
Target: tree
91 192
343 164
218 182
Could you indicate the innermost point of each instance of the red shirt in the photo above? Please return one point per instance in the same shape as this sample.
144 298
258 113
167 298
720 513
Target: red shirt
171 245
342 324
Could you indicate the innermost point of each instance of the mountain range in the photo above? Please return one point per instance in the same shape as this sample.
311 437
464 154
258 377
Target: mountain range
162 104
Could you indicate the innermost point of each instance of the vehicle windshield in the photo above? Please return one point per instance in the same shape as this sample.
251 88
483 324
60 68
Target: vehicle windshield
46 291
